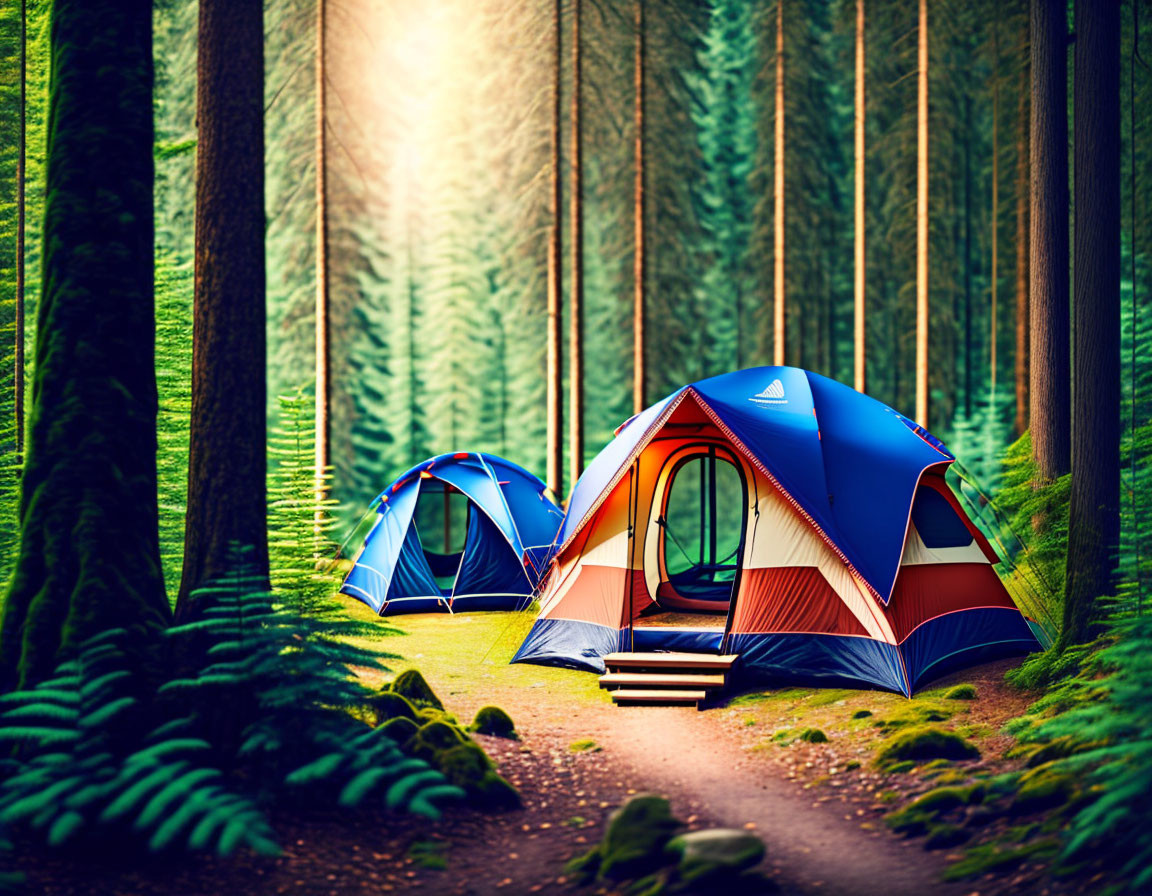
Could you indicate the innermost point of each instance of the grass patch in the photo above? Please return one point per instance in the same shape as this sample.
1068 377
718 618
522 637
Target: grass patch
813 736
584 745
829 696
961 692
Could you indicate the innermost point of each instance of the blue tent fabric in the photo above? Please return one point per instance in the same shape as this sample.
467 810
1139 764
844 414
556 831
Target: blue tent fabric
570 643
511 533
821 660
488 567
412 576
965 638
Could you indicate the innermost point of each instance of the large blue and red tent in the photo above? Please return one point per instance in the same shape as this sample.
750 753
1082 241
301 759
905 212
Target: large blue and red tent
850 558
510 527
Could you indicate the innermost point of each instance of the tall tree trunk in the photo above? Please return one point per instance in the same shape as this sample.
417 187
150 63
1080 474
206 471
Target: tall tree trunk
1094 508
922 220
779 319
89 555
995 212
21 156
576 333
639 255
860 280
968 351
227 438
323 389
554 376
1021 359
1049 373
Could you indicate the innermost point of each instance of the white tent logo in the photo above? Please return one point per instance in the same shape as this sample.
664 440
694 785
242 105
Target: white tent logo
773 394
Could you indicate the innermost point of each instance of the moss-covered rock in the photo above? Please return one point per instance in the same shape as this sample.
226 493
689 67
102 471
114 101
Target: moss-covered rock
434 737
961 692
411 685
492 720
494 792
635 837
400 729
713 856
463 764
813 736
385 705
923 743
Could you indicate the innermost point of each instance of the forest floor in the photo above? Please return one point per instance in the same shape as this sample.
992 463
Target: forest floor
819 807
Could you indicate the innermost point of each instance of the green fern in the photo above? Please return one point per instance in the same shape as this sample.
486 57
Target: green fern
290 675
81 775
1101 715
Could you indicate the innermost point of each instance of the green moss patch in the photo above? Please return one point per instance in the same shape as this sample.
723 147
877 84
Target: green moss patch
991 857
1041 789
915 715
492 720
584 745
961 692
862 714
813 736
923 743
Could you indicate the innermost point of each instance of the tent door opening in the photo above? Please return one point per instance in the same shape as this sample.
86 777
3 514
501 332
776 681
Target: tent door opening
442 521
701 541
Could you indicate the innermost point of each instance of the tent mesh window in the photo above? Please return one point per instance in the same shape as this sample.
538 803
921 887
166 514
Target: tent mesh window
704 522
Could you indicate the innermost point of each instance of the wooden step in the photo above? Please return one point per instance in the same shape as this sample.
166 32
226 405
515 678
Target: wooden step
681 662
660 680
630 695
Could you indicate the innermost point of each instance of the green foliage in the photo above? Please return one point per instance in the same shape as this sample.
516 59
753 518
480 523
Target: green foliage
300 514
961 692
813 736
83 776
278 685
1098 720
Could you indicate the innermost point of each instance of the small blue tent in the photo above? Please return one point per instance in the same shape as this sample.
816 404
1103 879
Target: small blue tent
509 529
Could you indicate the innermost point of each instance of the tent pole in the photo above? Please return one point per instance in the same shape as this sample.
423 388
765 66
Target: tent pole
633 499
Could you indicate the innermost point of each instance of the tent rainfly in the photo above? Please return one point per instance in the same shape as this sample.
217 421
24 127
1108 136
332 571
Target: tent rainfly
811 521
507 524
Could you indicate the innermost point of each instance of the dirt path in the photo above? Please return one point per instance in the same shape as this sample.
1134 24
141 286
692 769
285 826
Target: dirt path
812 846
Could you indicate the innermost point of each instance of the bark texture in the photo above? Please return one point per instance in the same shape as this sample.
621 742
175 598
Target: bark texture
554 381
576 335
226 464
89 555
1049 369
639 259
1094 508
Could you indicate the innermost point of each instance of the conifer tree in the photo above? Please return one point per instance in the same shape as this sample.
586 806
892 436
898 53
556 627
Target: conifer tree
89 556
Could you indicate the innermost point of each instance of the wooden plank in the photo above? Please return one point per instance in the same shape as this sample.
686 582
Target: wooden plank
637 696
668 661
660 680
